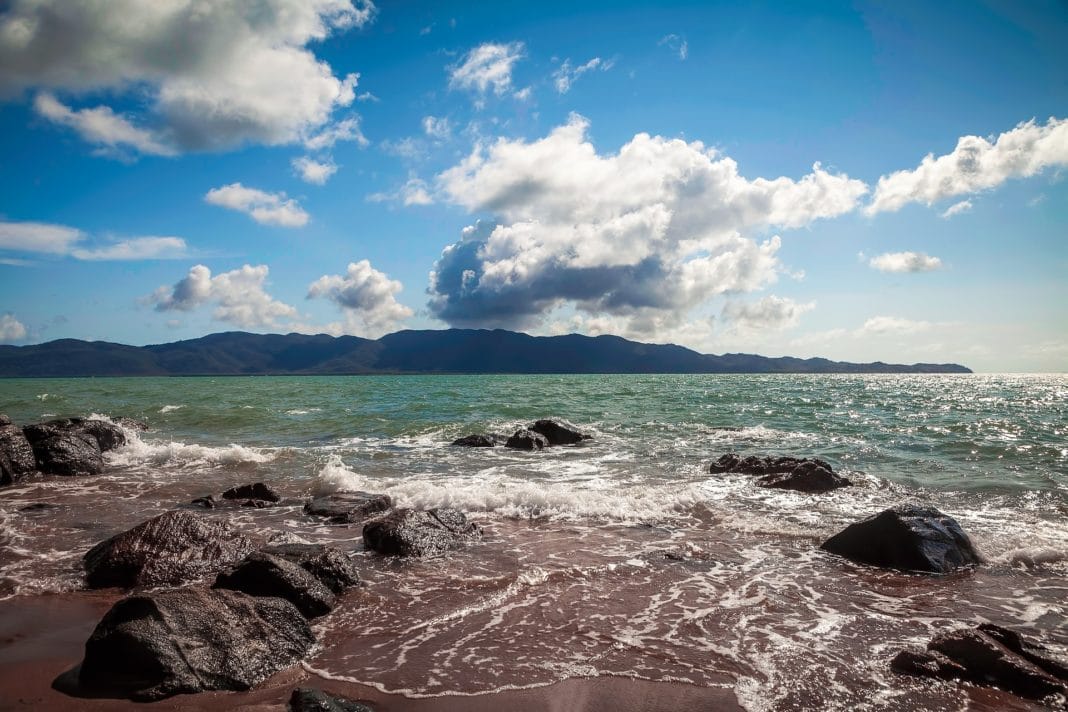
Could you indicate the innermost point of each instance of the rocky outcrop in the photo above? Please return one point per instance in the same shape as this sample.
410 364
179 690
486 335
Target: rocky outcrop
107 435
731 463
477 440
809 476
527 440
348 507
68 453
557 433
191 640
173 548
307 699
329 564
16 454
410 532
907 537
266 575
257 491
988 655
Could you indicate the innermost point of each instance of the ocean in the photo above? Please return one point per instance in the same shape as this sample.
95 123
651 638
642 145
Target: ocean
621 556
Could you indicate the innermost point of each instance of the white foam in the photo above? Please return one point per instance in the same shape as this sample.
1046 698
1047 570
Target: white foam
137 451
170 408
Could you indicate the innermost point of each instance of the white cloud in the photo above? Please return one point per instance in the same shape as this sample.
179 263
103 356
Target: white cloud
488 66
215 73
138 248
976 164
891 325
437 128
414 192
265 208
52 239
566 75
770 313
345 130
101 126
658 228
676 44
312 171
38 237
957 208
11 329
239 297
905 262
366 297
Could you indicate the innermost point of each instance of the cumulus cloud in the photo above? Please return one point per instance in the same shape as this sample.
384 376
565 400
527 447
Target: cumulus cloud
312 171
566 75
487 67
414 192
975 164
365 296
770 313
216 73
655 229
11 329
138 248
239 296
344 130
905 262
957 208
265 208
52 239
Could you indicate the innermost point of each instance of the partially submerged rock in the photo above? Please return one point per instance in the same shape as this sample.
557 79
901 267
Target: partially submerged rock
263 574
410 532
68 453
108 436
731 463
329 564
191 640
256 491
988 655
527 440
477 440
808 476
207 502
907 537
172 548
307 699
557 433
348 507
16 454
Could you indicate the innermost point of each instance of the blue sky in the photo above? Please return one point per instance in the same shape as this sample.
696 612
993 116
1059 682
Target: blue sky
857 181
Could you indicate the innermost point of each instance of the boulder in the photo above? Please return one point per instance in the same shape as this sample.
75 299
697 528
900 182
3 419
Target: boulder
348 507
907 537
411 532
256 491
808 476
68 453
476 440
263 574
558 433
307 699
328 564
107 435
172 548
527 440
190 640
988 655
755 465
16 454
207 502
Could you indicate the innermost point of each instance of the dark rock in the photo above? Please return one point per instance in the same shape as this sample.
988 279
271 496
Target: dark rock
257 490
527 440
906 537
306 699
754 465
808 476
988 655
192 640
108 436
476 440
16 454
263 574
68 453
256 503
558 433
409 532
38 507
4 420
207 502
329 564
172 548
348 507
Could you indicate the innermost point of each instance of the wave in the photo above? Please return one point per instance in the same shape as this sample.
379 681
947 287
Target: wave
138 452
170 408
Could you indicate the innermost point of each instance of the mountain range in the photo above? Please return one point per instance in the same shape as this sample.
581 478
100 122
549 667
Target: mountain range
442 351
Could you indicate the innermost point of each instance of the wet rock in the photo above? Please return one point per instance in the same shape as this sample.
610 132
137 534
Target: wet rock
38 507
108 436
476 440
255 491
329 564
4 420
527 440
16 454
348 507
191 640
557 433
988 655
306 699
808 476
173 548
68 453
410 532
907 537
207 502
130 423
263 574
731 463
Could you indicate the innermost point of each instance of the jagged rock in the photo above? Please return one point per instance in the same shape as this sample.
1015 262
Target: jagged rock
409 532
477 440
306 699
808 476
16 454
68 453
173 548
527 440
263 574
558 433
907 537
108 436
191 640
329 564
255 491
4 420
207 502
988 655
348 507
754 465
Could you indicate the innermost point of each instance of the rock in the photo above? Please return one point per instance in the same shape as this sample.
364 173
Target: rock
68 453
988 655
558 433
263 574
207 502
329 564
108 436
476 440
306 699
16 454
191 640
808 476
348 507
907 537
257 490
172 548
4 420
38 507
754 465
527 440
130 423
410 532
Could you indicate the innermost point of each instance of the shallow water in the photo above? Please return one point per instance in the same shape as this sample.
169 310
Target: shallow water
619 556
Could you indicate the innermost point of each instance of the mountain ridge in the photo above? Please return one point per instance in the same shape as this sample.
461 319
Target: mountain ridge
457 351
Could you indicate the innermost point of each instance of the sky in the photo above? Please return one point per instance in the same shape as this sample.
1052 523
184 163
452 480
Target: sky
858 181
